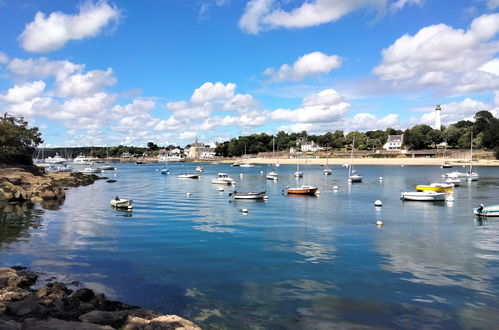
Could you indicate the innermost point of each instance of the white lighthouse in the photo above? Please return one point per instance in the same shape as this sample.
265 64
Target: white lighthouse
438 123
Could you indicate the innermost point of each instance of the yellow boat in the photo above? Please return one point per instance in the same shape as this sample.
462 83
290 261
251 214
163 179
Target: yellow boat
438 187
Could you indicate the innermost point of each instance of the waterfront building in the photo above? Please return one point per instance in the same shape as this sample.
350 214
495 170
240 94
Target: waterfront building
394 142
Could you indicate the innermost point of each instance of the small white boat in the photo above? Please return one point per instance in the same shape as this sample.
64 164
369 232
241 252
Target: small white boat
487 211
107 167
298 174
64 169
223 178
188 176
165 171
249 195
272 175
121 203
236 164
423 196
199 169
455 181
88 170
355 177
327 171
57 159
246 165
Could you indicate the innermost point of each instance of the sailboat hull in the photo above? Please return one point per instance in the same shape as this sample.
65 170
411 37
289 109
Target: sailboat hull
303 190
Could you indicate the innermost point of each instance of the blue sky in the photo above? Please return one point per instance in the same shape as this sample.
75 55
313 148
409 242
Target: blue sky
168 71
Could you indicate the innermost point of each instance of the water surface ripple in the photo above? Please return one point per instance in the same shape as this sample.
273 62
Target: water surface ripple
290 263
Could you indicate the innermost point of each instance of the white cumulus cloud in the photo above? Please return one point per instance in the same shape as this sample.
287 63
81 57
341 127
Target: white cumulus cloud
441 54
24 92
326 106
52 32
213 91
268 14
309 64
85 84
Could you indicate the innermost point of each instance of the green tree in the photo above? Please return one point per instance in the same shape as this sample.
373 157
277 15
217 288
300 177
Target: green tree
17 137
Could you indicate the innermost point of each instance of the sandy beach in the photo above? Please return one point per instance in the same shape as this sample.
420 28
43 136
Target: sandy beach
367 161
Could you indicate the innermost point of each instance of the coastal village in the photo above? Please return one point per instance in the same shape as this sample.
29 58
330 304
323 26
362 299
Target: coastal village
256 164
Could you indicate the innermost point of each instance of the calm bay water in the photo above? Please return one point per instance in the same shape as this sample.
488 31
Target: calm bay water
291 262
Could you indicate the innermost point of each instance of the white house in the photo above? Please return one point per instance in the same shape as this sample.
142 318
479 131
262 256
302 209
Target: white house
394 142
309 146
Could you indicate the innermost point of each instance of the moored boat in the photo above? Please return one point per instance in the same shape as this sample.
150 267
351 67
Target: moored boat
272 175
249 195
303 190
487 211
121 203
189 176
165 171
223 178
89 170
436 186
57 159
199 169
423 196
82 160
246 165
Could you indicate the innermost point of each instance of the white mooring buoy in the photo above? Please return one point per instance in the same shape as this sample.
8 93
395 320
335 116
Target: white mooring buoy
335 187
378 203
380 178
188 194
244 211
379 223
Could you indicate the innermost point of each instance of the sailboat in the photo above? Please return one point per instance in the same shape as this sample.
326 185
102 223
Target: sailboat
472 176
272 175
352 174
298 173
106 166
327 170
446 163
304 189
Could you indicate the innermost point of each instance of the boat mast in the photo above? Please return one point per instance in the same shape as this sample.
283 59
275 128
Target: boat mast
351 158
471 152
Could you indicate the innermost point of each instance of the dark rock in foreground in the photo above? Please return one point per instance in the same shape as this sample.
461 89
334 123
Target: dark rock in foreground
24 184
54 306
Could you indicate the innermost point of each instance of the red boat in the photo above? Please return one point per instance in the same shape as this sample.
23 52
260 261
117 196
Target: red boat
303 190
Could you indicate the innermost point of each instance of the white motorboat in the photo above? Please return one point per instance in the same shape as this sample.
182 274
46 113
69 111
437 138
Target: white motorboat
189 176
249 195
199 169
121 203
89 170
246 165
298 174
236 164
223 178
165 171
423 196
57 159
82 160
487 211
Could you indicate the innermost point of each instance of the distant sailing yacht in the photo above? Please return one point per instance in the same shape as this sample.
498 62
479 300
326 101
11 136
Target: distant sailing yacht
472 176
327 170
352 176
272 175
298 173
304 189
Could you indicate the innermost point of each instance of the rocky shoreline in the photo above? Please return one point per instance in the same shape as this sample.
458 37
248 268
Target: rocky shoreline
18 184
55 306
